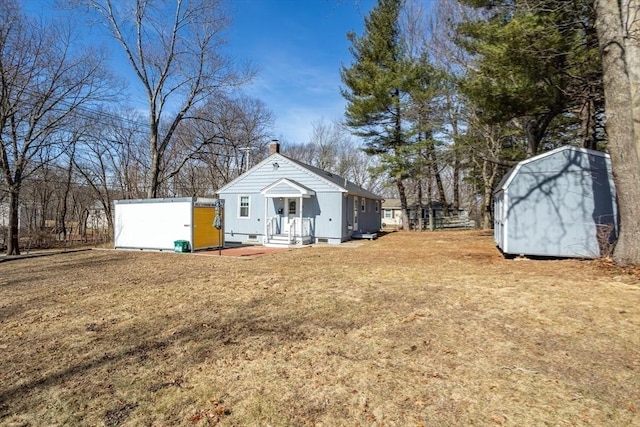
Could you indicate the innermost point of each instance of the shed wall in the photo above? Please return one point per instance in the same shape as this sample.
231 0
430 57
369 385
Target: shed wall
555 205
152 225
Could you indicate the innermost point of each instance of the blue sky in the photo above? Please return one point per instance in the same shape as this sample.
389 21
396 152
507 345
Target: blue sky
298 47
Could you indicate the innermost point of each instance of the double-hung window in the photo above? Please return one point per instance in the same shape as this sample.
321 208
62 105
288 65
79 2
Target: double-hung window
243 207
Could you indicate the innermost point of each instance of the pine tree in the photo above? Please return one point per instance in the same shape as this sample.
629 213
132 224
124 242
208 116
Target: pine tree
535 62
378 85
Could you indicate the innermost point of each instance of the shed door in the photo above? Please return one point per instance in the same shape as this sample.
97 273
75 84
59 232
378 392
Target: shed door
205 235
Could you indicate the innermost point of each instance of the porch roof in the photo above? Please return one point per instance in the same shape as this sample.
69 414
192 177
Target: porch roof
285 187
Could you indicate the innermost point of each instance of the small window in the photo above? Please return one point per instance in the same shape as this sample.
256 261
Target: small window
377 206
388 213
363 204
292 207
243 207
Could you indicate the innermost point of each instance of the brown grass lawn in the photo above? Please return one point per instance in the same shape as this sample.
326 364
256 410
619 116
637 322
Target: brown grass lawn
413 329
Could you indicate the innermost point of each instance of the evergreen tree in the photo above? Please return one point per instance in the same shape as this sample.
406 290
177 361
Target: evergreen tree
378 86
536 60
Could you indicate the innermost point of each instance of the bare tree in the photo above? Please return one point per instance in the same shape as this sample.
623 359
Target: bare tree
110 159
175 52
44 81
234 133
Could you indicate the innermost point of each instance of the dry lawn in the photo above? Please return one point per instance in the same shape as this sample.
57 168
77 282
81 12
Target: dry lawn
413 329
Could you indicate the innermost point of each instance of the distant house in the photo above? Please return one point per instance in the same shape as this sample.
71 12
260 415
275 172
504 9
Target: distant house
97 217
281 201
392 213
560 204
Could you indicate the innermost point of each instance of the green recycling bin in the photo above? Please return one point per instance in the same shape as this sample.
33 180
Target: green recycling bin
181 246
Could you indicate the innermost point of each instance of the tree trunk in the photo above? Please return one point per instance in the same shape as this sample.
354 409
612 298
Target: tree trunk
623 141
420 207
489 173
442 198
13 247
587 133
403 203
154 175
433 165
534 130
65 194
455 207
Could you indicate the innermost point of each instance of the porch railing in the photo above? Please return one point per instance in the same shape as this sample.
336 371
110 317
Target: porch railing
297 231
272 228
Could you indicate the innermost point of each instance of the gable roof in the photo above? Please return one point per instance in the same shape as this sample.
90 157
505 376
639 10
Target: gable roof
285 187
336 181
509 176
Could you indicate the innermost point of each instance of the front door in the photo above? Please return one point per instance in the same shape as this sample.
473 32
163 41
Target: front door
291 206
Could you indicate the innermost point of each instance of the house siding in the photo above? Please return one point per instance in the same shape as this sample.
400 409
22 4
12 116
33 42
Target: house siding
330 212
265 173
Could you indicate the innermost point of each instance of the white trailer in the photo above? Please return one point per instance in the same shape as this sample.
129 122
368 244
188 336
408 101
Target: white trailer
157 224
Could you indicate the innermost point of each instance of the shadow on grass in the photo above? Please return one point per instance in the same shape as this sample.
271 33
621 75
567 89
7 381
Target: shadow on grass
204 338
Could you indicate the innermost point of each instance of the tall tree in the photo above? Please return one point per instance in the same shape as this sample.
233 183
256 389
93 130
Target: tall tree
176 54
44 82
535 61
234 133
378 85
618 26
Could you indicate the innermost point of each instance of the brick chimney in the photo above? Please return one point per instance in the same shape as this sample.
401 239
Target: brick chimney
274 147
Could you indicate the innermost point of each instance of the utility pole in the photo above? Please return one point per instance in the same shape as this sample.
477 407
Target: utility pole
246 157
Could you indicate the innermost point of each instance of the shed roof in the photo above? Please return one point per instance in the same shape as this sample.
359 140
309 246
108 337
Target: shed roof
509 176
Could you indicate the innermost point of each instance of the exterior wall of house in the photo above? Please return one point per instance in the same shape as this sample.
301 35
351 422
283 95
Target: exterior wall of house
370 215
267 172
324 208
391 217
328 221
331 213
554 205
244 229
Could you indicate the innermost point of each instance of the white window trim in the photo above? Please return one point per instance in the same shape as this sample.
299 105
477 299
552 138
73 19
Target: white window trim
240 206
363 204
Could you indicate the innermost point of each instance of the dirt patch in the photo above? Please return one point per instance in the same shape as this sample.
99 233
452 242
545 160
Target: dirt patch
410 329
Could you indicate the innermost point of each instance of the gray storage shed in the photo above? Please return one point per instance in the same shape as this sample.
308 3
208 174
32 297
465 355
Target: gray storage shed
561 203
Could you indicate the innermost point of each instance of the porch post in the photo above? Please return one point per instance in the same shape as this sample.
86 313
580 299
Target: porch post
301 219
265 239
